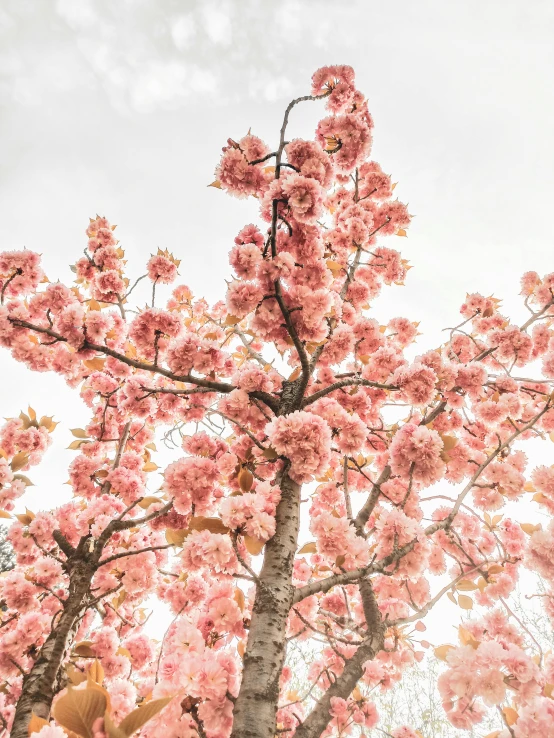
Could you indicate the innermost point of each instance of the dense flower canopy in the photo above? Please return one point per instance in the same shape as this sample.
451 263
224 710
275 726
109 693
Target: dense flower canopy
287 381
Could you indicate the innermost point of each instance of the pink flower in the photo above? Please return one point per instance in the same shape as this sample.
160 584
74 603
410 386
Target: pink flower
20 272
311 160
543 479
347 138
191 481
339 81
403 331
151 331
339 346
536 719
161 269
305 440
417 448
491 687
107 286
237 175
243 297
18 593
245 259
203 549
141 649
261 525
304 197
225 614
417 383
352 435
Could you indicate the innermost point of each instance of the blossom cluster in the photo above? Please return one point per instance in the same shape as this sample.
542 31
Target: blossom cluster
285 382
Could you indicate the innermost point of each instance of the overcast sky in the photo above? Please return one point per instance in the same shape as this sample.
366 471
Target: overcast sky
121 108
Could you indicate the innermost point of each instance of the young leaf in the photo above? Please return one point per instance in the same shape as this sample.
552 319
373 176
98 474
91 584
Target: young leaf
214 525
25 518
451 597
79 708
74 675
510 715
464 585
270 454
111 729
449 442
529 528
19 461
442 651
96 672
308 548
142 715
147 501
24 479
175 537
245 479
465 602
95 365
47 422
238 596
84 649
466 638
36 724
76 445
253 545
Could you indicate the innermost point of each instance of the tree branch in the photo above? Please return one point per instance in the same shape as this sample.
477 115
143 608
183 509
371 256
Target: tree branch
346 383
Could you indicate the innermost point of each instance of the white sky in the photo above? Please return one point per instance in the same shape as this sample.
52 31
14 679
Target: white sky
122 108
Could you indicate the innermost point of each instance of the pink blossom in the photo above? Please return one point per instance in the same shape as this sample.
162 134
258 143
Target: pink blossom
305 440
191 481
243 297
161 269
417 450
20 272
337 80
151 331
417 383
237 176
204 549
347 138
304 197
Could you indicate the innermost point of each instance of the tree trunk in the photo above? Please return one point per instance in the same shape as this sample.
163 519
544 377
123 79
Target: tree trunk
256 705
41 683
316 722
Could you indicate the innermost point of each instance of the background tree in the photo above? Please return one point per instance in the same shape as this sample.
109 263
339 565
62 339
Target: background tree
7 558
287 382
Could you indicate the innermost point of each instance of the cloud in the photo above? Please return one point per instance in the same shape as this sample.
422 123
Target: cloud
152 55
183 30
217 22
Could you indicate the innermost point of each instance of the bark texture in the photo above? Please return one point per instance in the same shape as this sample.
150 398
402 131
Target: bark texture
40 684
256 705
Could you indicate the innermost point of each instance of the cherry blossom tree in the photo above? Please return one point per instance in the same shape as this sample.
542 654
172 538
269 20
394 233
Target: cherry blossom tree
283 396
